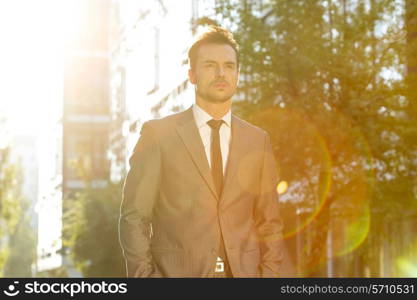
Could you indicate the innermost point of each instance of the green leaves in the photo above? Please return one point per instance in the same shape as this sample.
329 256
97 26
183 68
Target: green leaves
17 246
327 79
90 232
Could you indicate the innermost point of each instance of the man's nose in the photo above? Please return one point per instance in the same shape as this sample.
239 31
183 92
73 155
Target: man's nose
220 71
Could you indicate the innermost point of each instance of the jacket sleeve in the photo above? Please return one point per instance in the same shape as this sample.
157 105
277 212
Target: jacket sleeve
267 216
139 194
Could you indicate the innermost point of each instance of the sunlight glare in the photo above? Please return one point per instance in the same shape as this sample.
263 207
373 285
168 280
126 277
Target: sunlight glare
282 187
31 89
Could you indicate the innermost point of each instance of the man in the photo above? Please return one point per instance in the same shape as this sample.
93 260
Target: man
200 198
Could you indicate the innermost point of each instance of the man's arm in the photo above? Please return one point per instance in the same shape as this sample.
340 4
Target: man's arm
267 216
139 193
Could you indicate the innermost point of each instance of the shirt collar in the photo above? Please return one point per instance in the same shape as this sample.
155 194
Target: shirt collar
202 117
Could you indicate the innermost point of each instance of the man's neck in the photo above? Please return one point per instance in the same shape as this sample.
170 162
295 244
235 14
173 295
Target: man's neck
216 110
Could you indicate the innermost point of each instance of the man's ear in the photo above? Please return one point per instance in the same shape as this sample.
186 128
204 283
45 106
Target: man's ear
191 76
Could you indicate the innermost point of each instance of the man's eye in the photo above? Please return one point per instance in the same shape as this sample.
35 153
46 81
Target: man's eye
209 65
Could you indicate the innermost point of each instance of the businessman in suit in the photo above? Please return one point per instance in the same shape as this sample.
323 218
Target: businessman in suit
200 198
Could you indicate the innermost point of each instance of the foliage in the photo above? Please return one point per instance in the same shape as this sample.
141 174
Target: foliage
10 181
17 238
90 231
326 79
22 247
10 203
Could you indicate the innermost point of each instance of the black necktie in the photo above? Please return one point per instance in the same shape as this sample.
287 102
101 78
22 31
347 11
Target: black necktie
216 154
217 172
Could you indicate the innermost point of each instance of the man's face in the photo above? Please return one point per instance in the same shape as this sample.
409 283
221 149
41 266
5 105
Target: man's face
216 73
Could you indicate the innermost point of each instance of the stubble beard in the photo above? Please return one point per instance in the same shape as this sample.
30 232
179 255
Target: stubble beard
212 97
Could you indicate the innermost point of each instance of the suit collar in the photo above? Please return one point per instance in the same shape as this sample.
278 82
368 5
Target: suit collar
201 117
188 131
237 149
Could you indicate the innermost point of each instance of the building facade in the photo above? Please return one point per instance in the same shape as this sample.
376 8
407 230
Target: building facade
149 65
86 109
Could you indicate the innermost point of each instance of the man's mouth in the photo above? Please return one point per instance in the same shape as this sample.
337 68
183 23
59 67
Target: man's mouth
220 84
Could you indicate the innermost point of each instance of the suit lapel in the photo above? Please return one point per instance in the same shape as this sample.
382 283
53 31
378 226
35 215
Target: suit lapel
189 134
236 152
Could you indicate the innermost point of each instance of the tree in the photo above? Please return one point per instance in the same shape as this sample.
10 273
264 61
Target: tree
9 207
17 245
22 247
18 252
318 76
411 32
91 231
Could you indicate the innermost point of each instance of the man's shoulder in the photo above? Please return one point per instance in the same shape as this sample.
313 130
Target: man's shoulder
167 122
250 128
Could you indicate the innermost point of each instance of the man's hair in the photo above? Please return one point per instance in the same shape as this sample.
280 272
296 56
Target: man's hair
214 35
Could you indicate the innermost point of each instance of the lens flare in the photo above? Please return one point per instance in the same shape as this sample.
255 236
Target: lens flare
407 268
406 264
328 161
344 223
282 187
303 159
352 195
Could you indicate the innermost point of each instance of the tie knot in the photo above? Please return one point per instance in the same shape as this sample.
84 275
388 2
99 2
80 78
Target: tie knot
215 124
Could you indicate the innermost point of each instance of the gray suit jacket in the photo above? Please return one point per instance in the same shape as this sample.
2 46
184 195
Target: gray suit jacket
171 217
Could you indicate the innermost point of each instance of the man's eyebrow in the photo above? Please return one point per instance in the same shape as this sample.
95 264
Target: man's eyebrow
213 61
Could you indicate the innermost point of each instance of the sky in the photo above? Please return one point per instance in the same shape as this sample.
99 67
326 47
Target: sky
31 64
33 38
31 91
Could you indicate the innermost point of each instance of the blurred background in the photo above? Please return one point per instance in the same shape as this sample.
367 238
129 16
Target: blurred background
334 82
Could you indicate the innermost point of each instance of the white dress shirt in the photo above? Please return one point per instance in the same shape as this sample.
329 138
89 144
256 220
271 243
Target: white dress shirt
201 118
